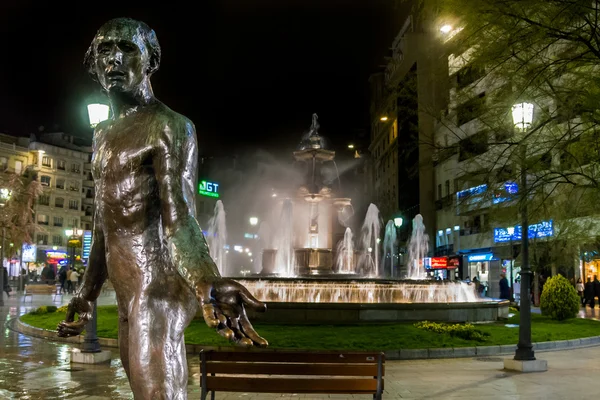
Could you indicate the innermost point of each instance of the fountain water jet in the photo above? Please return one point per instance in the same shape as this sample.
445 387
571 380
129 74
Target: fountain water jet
217 238
345 254
284 242
418 247
389 241
369 260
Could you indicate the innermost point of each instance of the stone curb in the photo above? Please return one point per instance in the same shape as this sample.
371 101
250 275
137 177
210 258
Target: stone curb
401 354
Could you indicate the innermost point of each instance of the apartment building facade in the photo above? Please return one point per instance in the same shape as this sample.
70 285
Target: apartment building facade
405 101
64 171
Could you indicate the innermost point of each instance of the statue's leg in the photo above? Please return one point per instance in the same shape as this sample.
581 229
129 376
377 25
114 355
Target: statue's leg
124 342
157 357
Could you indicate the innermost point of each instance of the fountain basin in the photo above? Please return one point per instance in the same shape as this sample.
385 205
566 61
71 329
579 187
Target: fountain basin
337 301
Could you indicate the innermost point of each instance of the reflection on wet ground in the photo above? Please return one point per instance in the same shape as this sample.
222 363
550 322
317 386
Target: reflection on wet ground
38 369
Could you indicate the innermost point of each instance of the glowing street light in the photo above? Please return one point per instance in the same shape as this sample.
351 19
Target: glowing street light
97 113
522 115
384 118
398 222
350 146
253 221
445 29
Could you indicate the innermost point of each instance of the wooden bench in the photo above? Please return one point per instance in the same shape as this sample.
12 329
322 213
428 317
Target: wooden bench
291 372
40 289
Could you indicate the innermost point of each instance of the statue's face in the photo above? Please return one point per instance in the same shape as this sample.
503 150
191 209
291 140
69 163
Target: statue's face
121 60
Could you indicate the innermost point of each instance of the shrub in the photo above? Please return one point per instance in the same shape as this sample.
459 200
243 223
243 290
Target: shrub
43 310
463 331
62 309
559 299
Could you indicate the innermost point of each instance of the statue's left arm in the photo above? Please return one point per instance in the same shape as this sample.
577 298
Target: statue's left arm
223 301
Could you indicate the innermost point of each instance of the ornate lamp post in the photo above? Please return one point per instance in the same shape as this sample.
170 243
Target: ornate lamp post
524 359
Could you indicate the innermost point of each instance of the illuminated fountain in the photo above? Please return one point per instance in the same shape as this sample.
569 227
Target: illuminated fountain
314 268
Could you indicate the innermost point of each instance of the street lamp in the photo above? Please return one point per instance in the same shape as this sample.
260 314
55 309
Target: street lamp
253 221
522 114
398 222
97 112
4 197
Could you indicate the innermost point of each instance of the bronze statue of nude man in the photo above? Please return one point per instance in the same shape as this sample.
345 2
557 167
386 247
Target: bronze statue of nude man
145 235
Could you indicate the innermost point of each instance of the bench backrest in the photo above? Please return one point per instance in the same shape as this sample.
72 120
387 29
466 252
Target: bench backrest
292 372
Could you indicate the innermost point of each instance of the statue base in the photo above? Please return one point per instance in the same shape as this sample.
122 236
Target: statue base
525 366
80 357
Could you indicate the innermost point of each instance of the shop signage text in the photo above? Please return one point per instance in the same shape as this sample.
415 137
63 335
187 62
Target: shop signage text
210 189
481 257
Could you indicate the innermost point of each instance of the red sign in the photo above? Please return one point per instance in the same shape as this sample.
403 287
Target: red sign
439 262
454 262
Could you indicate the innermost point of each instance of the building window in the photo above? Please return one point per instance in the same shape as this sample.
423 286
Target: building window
75 168
57 240
18 166
471 109
59 202
60 183
439 191
73 204
42 219
44 200
3 163
447 187
42 239
45 180
472 146
88 227
58 221
75 222
74 186
61 164
47 161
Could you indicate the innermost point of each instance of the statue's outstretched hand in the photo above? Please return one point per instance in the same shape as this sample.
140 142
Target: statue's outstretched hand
70 327
224 303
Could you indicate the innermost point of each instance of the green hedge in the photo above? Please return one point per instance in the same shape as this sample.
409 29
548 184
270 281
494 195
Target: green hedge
463 331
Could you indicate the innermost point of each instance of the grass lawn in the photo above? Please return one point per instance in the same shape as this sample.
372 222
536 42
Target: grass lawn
388 336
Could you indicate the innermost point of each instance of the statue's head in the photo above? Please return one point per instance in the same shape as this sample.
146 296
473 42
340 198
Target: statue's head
123 53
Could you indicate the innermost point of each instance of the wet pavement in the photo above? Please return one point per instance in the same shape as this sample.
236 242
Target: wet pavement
37 369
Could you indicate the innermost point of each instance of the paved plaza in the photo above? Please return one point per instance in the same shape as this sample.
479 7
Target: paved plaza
37 369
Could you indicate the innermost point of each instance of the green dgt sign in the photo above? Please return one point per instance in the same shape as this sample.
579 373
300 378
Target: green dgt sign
210 189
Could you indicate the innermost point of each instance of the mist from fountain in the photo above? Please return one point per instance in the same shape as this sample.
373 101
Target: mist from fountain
418 247
285 264
389 240
263 242
345 254
217 238
368 263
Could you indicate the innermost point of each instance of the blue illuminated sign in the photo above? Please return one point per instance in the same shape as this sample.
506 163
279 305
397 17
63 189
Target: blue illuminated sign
463 194
503 194
87 244
535 231
480 257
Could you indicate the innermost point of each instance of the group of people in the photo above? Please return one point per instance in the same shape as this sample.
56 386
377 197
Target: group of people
589 291
68 277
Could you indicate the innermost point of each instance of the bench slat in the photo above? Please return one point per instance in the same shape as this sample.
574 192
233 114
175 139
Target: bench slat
343 358
261 368
283 385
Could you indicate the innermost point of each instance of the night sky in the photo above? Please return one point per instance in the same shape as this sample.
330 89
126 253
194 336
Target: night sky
249 70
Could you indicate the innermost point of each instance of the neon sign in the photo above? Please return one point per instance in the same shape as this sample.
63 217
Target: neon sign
87 244
535 231
210 189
